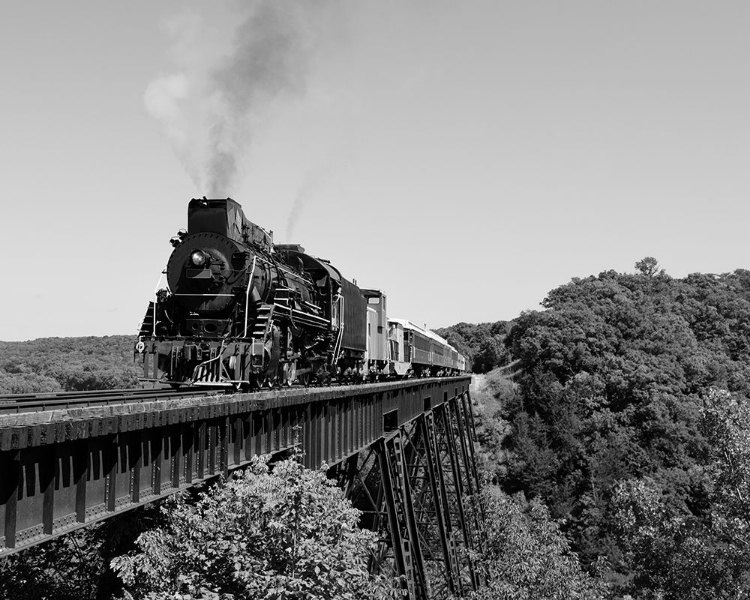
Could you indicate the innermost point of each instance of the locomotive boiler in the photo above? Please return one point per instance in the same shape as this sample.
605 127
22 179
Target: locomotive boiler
239 310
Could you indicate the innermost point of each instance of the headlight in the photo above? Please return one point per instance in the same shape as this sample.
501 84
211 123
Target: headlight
198 258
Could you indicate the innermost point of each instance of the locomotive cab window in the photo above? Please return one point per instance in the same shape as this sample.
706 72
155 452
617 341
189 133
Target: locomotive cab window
373 300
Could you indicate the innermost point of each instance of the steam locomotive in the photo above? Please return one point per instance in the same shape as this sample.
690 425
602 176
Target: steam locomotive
239 310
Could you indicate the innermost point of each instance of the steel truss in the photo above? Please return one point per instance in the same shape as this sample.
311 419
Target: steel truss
418 489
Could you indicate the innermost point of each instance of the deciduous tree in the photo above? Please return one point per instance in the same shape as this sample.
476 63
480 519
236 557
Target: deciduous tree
286 533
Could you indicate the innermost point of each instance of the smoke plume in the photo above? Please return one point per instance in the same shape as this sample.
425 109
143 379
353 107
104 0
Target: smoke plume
226 78
310 186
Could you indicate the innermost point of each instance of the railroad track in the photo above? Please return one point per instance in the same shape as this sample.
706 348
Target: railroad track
20 403
25 403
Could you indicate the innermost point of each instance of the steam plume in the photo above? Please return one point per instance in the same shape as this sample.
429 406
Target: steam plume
211 108
308 190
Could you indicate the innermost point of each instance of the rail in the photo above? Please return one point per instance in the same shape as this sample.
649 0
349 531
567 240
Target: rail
24 403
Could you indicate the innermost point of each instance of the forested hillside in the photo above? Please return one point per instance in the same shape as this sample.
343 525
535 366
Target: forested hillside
57 364
630 422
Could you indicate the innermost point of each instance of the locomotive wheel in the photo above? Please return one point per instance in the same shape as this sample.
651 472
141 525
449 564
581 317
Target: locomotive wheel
289 373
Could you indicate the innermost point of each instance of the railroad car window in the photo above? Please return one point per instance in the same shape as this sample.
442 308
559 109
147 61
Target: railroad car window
373 300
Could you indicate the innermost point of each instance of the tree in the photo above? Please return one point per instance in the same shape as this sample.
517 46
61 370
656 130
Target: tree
75 566
527 557
612 378
488 356
481 344
262 534
671 555
649 266
726 423
55 364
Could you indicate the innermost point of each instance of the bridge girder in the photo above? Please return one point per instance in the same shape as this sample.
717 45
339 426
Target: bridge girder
403 450
418 489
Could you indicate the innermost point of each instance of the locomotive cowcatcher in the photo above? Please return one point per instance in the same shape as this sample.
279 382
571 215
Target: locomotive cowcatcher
241 311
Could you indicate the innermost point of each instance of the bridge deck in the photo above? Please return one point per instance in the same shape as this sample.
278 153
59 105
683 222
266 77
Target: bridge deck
64 469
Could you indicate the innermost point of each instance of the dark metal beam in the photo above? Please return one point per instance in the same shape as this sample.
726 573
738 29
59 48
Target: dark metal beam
425 468
68 468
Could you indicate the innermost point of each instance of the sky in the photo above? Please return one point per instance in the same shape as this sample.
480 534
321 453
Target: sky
464 157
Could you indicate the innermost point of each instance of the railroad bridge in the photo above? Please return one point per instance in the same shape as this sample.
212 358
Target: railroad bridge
402 450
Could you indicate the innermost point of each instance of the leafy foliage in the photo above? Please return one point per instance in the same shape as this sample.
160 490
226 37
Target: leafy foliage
57 364
75 566
263 534
489 393
726 422
525 553
609 421
671 554
482 344
527 557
